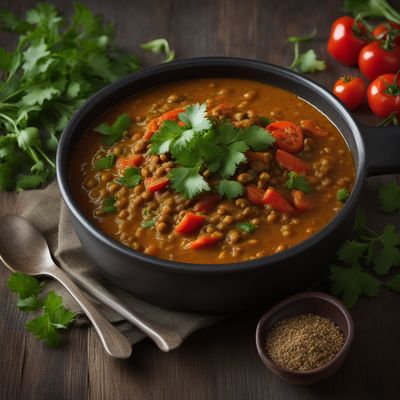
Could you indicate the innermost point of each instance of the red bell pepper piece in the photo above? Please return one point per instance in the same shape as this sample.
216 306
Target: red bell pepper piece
204 241
207 202
291 162
190 223
255 195
155 184
301 201
277 201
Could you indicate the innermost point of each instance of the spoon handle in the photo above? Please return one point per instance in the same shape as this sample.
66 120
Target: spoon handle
114 342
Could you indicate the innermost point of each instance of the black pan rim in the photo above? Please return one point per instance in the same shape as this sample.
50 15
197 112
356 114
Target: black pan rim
263 262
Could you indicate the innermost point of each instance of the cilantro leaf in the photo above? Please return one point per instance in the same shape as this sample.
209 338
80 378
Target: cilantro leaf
372 8
351 251
59 316
352 282
105 162
24 285
148 224
394 284
25 182
342 195
299 182
43 329
233 156
308 62
159 46
188 181
230 189
108 204
257 138
195 117
263 121
169 133
131 177
389 196
31 303
246 226
114 133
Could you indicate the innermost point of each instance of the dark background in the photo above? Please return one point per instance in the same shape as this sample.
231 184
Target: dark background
220 362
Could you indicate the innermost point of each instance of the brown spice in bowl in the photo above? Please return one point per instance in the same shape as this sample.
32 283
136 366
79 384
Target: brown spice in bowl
304 342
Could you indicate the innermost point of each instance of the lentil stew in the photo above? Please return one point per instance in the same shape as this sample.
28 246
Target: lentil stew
247 196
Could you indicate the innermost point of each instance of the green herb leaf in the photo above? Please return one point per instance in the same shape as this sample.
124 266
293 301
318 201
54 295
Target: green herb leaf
131 177
394 284
372 8
299 182
257 138
188 181
264 121
24 285
308 62
148 224
246 226
114 133
230 189
105 162
389 196
342 195
168 134
108 204
28 304
195 117
159 46
59 316
43 329
352 282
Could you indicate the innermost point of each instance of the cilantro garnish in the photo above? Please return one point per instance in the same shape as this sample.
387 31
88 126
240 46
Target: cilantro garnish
389 196
246 226
160 46
264 121
199 144
115 132
299 182
54 316
342 195
131 177
148 224
105 162
54 68
369 257
305 62
108 204
230 189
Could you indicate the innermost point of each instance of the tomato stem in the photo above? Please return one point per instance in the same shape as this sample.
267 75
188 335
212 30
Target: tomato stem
392 119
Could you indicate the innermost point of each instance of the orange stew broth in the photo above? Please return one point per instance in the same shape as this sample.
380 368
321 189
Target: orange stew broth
243 102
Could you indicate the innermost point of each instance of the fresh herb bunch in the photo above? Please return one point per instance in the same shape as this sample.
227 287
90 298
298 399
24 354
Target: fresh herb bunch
198 144
54 316
53 69
369 257
372 9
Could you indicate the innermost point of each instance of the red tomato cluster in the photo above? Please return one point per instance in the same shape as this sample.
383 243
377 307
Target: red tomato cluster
377 53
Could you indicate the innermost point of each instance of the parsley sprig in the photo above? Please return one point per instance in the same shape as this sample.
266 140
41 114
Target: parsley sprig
198 144
364 265
54 315
299 182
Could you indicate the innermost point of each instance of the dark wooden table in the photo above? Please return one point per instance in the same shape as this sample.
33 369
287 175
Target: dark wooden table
220 362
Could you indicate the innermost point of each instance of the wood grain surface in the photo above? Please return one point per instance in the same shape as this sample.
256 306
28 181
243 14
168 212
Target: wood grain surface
220 362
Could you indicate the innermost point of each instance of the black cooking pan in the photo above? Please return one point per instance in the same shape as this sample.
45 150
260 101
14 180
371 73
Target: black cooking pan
226 287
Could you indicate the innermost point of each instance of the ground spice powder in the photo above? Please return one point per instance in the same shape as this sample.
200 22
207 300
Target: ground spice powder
304 342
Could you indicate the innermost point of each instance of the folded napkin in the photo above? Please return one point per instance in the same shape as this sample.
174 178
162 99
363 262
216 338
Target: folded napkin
47 211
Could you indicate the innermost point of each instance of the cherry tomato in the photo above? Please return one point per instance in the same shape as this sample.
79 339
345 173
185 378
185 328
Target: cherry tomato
344 42
384 95
375 60
351 90
289 136
380 32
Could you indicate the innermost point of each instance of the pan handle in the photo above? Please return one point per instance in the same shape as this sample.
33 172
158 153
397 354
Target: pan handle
382 149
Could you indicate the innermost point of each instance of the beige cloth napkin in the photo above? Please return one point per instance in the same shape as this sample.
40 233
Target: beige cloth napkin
46 210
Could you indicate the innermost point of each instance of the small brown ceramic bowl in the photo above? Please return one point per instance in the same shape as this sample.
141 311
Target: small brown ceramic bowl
303 303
